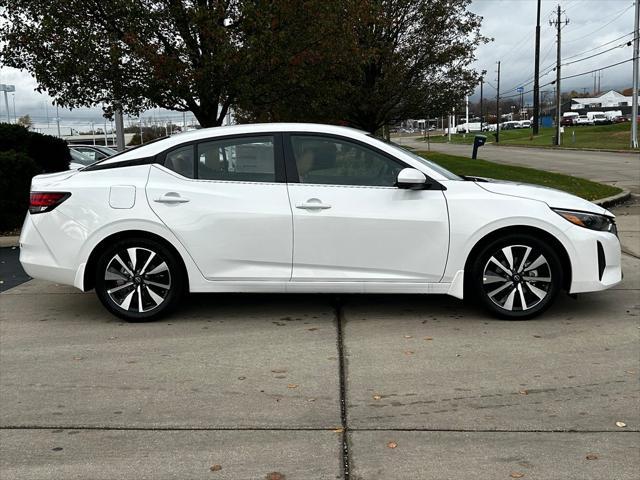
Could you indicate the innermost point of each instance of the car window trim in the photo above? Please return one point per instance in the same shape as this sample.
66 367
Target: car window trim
279 168
292 169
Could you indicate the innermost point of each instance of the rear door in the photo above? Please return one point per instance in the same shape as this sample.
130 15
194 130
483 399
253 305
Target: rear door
226 200
351 223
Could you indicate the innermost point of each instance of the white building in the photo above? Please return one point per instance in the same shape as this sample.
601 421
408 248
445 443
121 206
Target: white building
611 99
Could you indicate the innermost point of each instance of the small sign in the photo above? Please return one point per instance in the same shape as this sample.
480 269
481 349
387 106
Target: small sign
520 89
7 88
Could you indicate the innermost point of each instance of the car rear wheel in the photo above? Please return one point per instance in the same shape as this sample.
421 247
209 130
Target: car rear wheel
138 279
516 277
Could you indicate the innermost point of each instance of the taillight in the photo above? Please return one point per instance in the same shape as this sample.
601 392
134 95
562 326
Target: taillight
41 202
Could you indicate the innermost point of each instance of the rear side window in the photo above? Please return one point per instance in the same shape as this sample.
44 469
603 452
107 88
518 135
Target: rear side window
180 161
246 159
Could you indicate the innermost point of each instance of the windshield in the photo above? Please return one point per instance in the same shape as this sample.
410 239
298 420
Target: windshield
433 166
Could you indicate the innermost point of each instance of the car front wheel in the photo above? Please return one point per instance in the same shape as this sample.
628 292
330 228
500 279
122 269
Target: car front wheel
516 277
138 279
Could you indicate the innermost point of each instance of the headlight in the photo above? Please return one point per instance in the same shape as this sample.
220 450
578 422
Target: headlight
592 221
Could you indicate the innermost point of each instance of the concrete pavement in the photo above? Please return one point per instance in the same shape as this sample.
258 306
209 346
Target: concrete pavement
619 169
431 387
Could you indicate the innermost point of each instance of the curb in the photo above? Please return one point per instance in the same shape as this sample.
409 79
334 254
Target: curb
10 241
614 199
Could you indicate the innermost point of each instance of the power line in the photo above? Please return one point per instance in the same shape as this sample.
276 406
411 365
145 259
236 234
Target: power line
596 54
618 15
600 46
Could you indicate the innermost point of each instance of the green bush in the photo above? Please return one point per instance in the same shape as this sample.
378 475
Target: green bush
16 171
50 153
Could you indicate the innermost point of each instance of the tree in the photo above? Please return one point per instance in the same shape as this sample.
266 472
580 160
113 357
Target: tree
415 58
129 54
25 121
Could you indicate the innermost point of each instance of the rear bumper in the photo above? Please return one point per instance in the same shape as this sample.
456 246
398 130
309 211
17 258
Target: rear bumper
38 260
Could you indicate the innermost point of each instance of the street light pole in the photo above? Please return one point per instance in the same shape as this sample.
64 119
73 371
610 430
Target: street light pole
498 107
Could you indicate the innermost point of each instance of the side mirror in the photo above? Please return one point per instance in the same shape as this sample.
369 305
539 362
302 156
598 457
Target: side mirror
411 178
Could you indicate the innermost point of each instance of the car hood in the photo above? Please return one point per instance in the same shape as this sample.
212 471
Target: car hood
552 197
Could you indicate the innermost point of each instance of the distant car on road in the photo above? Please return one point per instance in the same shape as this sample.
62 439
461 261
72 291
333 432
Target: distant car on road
620 119
289 207
583 120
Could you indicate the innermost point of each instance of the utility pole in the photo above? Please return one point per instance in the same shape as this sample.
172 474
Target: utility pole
498 107
481 98
140 126
558 24
536 80
636 73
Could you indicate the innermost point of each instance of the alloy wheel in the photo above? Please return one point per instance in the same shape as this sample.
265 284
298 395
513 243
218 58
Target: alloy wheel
517 278
137 279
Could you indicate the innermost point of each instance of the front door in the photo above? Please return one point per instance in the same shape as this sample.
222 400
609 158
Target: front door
226 201
352 224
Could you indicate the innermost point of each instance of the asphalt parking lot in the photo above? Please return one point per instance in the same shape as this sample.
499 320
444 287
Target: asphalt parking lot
316 387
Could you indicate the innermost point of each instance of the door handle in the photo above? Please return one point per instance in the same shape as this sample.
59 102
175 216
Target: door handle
313 204
171 197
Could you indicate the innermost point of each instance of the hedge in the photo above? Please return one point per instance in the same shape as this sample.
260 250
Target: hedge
16 171
24 154
51 153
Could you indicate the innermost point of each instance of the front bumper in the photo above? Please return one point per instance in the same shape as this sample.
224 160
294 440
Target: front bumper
596 261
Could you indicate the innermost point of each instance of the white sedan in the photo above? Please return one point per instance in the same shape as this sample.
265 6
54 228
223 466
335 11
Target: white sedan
307 208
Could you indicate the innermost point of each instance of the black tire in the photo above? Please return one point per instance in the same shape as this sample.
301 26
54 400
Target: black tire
144 282
513 290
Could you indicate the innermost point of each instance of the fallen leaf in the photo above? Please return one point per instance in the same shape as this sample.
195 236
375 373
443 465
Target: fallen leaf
311 399
242 378
621 424
216 467
392 445
591 456
516 474
338 430
275 476
377 397
408 352
112 338
524 392
77 358
408 336
428 338
279 370
312 329
630 372
292 385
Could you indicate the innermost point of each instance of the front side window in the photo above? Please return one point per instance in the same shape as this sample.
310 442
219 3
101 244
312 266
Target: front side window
333 161
246 159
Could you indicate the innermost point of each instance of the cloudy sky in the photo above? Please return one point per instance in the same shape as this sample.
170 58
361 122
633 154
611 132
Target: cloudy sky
595 26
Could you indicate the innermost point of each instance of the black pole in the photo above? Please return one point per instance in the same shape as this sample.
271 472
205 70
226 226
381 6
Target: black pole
536 82
481 83
498 107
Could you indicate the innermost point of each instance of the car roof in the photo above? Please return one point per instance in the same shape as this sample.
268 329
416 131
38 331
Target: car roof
156 147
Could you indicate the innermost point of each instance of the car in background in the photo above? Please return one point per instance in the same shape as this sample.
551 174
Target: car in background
287 207
79 160
598 118
95 152
525 124
620 119
568 121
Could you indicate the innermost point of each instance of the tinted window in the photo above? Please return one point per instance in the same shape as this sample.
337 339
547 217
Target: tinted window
333 161
180 161
246 159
